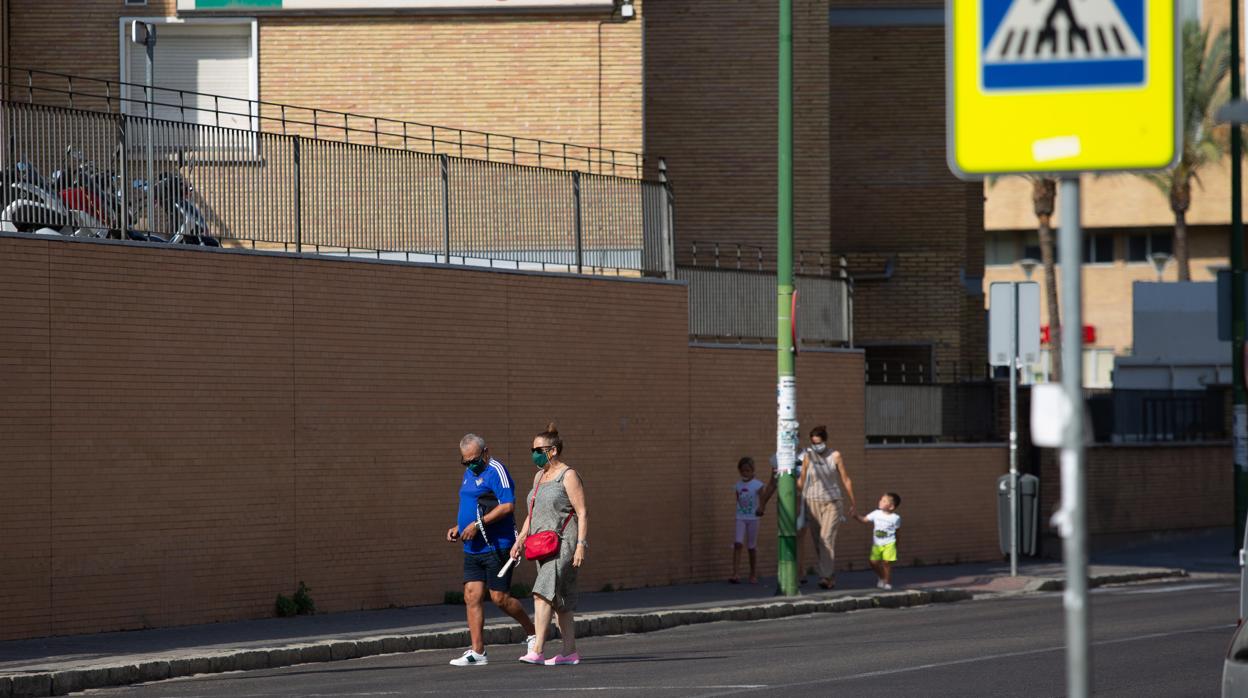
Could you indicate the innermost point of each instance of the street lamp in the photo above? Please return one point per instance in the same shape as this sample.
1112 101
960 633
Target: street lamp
1159 260
1029 265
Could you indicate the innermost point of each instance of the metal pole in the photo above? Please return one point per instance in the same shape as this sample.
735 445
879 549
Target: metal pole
1014 436
1072 519
576 218
786 392
298 201
445 165
1238 329
150 45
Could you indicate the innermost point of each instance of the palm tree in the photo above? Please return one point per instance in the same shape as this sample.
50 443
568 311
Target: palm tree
1206 63
1043 196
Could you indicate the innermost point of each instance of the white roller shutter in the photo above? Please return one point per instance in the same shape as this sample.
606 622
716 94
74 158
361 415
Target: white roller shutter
210 59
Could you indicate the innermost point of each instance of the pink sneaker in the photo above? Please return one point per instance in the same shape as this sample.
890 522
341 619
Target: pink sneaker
533 658
560 659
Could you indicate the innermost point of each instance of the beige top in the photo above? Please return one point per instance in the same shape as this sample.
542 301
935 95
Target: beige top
823 482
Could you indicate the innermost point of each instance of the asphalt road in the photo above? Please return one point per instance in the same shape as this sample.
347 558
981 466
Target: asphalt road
1149 640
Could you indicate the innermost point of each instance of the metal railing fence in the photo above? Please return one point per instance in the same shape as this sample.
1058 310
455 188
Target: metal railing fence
1157 416
184 106
931 412
739 305
301 194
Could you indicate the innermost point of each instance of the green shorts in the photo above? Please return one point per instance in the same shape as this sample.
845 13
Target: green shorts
886 552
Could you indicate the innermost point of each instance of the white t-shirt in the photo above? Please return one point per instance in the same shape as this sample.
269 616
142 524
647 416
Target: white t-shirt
886 526
747 499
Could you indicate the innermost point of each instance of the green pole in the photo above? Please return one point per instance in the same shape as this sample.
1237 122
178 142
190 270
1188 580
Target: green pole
1240 416
786 393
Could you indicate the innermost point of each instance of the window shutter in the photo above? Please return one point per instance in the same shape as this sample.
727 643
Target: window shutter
214 59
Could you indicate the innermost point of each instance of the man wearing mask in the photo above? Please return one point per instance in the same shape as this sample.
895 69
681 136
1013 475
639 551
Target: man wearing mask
487 527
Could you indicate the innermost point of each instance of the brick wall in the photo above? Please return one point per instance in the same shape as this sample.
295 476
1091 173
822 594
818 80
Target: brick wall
187 434
949 500
1150 487
829 391
567 78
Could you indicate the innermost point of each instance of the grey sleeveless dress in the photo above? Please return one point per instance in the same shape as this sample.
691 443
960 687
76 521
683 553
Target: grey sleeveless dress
556 577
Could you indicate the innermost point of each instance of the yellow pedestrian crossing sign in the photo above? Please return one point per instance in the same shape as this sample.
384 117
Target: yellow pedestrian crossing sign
1061 86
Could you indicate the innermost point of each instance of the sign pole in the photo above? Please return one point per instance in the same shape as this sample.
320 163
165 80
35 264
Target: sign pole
1072 521
1014 434
1239 422
786 380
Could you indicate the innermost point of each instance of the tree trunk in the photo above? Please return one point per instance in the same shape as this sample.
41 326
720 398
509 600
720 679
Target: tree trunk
1180 201
1050 298
1180 245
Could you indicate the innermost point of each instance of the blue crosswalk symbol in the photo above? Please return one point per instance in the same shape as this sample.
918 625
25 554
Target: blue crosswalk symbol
1054 44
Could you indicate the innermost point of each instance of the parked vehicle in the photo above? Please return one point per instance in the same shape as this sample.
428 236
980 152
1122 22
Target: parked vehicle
31 203
1235 667
173 196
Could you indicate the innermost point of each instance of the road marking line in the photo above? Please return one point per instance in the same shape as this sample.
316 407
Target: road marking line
991 657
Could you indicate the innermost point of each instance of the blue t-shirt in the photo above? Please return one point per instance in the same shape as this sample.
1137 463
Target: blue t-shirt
491 488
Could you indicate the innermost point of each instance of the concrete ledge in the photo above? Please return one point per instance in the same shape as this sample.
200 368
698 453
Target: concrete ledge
72 680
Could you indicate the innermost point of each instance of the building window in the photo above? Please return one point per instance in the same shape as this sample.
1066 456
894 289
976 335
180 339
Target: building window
1140 246
1190 10
1001 249
1031 246
1099 249
204 73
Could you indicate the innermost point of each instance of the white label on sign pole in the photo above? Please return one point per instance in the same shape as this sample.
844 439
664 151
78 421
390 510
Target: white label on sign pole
1000 323
1050 414
1002 316
1029 322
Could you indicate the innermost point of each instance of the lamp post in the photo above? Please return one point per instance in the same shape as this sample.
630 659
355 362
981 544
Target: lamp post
1029 265
1159 260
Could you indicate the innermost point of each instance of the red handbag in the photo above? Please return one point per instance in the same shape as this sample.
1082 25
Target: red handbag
544 545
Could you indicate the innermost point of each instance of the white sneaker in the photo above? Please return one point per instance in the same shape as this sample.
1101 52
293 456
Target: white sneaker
887 587
879 584
530 642
471 658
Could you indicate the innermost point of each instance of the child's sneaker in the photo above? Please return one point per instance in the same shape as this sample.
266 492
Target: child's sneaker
879 584
886 587
471 658
560 659
533 658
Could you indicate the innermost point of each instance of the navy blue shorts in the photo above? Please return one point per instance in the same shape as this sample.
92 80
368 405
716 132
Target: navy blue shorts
484 567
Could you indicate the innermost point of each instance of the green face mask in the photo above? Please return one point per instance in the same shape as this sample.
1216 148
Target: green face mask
540 459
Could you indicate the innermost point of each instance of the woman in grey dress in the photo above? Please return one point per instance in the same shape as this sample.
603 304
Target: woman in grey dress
557 503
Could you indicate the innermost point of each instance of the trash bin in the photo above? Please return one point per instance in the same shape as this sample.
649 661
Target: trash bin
1028 512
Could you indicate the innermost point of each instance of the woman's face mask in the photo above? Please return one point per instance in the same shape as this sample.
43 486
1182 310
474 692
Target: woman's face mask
540 459
819 448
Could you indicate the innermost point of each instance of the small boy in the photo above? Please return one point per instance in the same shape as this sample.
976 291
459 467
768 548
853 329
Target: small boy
884 537
749 510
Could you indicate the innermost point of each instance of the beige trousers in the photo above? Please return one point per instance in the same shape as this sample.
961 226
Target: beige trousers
823 517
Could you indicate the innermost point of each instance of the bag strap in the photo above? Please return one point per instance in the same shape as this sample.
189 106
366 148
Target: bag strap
568 519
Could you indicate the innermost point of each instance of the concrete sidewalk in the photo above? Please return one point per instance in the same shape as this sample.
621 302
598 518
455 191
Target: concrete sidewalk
60 665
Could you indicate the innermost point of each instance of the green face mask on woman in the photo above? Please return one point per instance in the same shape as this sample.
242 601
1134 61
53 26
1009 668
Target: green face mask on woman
540 459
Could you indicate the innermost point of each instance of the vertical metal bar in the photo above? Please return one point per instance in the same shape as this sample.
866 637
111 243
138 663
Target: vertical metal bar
1014 434
1072 522
444 165
576 217
298 197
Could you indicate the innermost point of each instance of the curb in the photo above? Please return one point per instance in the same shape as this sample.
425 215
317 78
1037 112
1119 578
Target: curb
1100 580
59 683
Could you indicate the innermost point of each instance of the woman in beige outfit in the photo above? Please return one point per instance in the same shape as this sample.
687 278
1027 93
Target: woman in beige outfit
823 473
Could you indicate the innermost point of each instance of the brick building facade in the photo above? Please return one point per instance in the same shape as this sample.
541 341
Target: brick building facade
693 81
